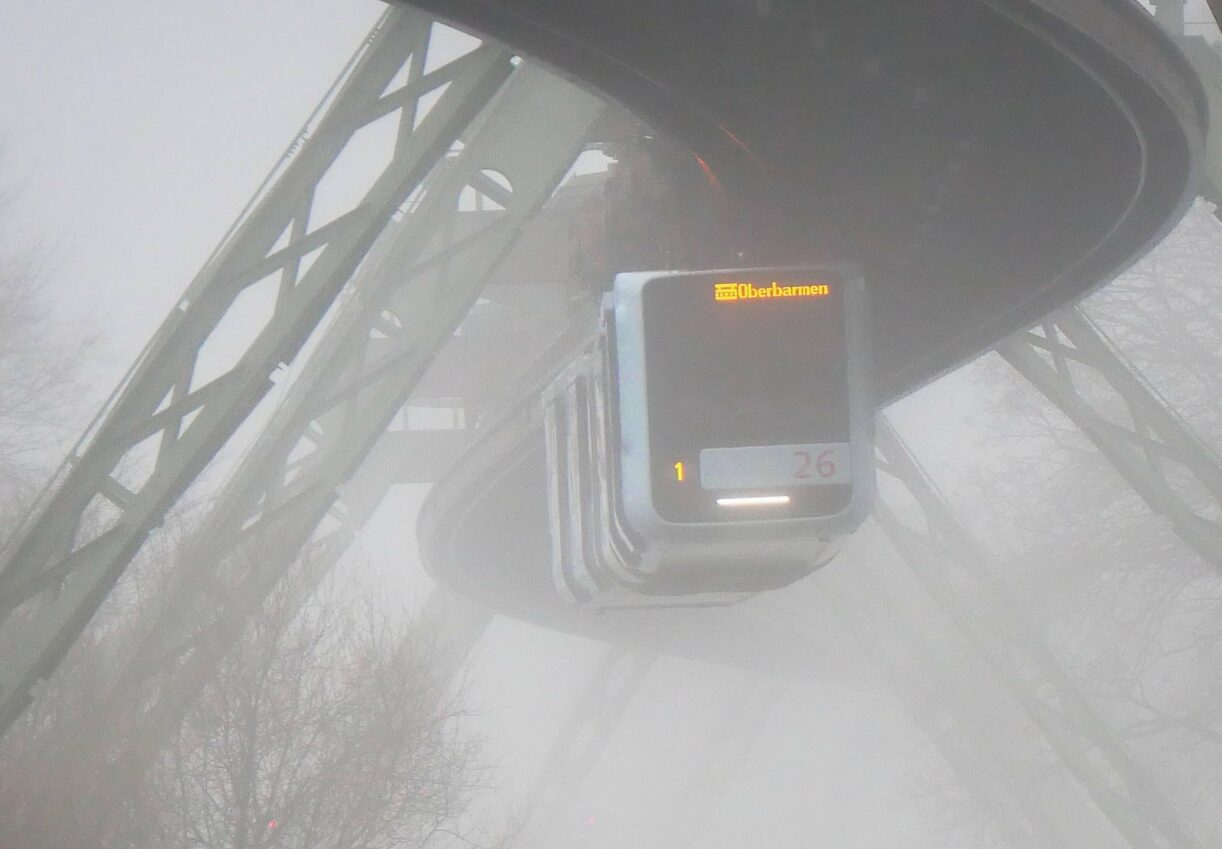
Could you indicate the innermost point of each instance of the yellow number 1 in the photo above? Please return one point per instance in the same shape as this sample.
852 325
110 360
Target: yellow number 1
680 474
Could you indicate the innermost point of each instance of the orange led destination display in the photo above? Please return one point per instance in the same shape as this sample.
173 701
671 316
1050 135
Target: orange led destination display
706 336
741 291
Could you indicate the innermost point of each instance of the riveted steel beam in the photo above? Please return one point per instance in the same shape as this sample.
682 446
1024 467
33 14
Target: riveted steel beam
954 570
319 468
1157 452
65 559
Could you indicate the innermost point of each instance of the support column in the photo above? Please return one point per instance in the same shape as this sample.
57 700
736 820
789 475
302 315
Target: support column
1157 453
315 470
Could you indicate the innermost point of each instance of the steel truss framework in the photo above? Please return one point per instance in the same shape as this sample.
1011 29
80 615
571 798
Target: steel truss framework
1078 369
516 131
956 574
508 132
319 457
328 454
61 568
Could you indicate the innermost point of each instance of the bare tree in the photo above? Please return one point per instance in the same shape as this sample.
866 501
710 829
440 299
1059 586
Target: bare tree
1132 612
325 728
39 380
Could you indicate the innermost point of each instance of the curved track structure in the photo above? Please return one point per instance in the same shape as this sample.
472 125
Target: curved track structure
986 161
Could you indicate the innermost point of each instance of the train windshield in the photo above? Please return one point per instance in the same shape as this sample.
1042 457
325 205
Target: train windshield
748 389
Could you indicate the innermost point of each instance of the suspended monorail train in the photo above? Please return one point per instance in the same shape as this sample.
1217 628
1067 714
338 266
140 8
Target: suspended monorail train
714 439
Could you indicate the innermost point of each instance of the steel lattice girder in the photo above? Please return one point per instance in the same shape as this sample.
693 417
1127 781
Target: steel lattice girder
406 301
57 551
1145 447
954 570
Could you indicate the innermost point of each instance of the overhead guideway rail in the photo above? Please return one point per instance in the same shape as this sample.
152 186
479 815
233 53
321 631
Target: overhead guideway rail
984 161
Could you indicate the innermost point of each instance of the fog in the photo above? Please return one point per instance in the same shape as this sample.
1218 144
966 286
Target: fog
1061 691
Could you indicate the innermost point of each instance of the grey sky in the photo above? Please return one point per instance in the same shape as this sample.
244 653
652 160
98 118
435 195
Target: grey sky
136 129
